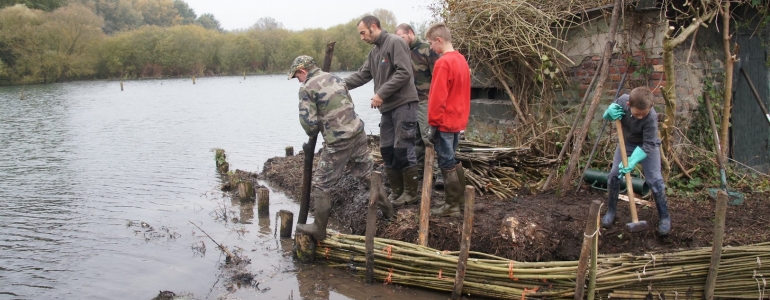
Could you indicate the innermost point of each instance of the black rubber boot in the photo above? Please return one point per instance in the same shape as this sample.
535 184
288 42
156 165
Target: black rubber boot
664 224
409 195
453 192
322 206
461 180
438 183
613 188
396 179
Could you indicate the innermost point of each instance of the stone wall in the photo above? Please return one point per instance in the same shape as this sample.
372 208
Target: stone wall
638 51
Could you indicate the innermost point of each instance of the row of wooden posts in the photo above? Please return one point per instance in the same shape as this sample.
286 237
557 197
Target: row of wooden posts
246 192
305 246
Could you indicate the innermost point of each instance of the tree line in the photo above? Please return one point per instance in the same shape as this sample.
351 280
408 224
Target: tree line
60 40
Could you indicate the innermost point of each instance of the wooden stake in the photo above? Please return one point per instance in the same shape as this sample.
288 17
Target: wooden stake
287 221
716 250
193 79
246 190
585 251
263 202
371 225
289 151
427 184
594 258
465 242
121 86
304 247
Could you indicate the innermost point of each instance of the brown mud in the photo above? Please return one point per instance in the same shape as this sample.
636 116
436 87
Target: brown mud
539 227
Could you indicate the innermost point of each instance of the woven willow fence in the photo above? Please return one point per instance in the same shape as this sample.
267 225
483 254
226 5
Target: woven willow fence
625 276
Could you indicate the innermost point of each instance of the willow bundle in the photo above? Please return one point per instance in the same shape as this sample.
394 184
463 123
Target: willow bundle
623 276
502 172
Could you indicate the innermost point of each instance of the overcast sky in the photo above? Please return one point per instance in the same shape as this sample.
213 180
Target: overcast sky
303 14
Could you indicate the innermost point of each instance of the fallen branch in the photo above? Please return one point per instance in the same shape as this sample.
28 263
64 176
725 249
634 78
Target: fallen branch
231 257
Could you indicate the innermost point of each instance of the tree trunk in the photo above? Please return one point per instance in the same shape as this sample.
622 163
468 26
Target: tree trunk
669 97
578 145
729 63
669 90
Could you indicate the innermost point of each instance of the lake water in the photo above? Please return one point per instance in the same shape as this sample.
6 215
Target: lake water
86 169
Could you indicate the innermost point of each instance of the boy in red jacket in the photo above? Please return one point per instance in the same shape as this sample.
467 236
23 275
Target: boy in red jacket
449 105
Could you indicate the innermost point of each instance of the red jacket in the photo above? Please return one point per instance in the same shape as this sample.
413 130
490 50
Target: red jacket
449 101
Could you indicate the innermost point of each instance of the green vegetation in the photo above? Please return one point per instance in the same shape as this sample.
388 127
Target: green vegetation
51 41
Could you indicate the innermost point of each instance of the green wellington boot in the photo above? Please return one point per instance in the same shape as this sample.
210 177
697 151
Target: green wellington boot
454 194
409 195
396 179
322 206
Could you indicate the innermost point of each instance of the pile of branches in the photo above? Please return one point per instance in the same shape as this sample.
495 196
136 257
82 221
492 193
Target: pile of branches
741 271
516 44
502 172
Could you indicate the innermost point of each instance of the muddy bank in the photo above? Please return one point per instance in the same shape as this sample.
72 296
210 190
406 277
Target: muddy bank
538 227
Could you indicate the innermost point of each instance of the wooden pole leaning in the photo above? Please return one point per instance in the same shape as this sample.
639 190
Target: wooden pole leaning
716 250
371 224
585 251
465 242
427 190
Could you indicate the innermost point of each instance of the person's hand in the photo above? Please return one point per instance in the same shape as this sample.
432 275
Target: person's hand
432 132
614 112
635 158
622 171
376 101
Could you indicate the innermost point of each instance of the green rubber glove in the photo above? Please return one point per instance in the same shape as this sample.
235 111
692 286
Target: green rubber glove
614 112
634 159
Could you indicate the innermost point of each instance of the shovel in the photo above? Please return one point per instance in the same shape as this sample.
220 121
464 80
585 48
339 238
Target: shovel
635 225
735 198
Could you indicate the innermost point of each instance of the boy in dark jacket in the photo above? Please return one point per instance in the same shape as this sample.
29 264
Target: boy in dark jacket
640 129
449 106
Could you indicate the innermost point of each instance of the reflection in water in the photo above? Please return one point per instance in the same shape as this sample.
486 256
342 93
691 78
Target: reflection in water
82 159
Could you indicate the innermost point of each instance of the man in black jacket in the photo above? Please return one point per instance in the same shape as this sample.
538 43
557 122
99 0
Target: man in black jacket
390 66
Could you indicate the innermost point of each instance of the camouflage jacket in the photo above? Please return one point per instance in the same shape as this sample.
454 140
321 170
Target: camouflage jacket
326 106
423 59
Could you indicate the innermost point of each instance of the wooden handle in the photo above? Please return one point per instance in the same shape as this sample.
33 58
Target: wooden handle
427 189
629 184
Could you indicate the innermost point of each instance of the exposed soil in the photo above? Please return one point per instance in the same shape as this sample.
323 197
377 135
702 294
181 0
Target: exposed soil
546 227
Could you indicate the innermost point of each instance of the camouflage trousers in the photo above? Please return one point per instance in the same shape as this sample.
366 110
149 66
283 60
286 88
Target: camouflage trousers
334 158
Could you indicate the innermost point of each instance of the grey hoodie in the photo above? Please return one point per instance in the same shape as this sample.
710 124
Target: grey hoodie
390 65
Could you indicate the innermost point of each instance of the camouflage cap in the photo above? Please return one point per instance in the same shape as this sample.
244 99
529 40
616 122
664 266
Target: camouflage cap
302 61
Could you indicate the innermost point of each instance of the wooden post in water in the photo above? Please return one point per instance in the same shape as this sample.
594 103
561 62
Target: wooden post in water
21 94
193 79
287 221
289 151
245 189
716 250
263 202
585 251
371 224
427 189
465 240
121 85
304 247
